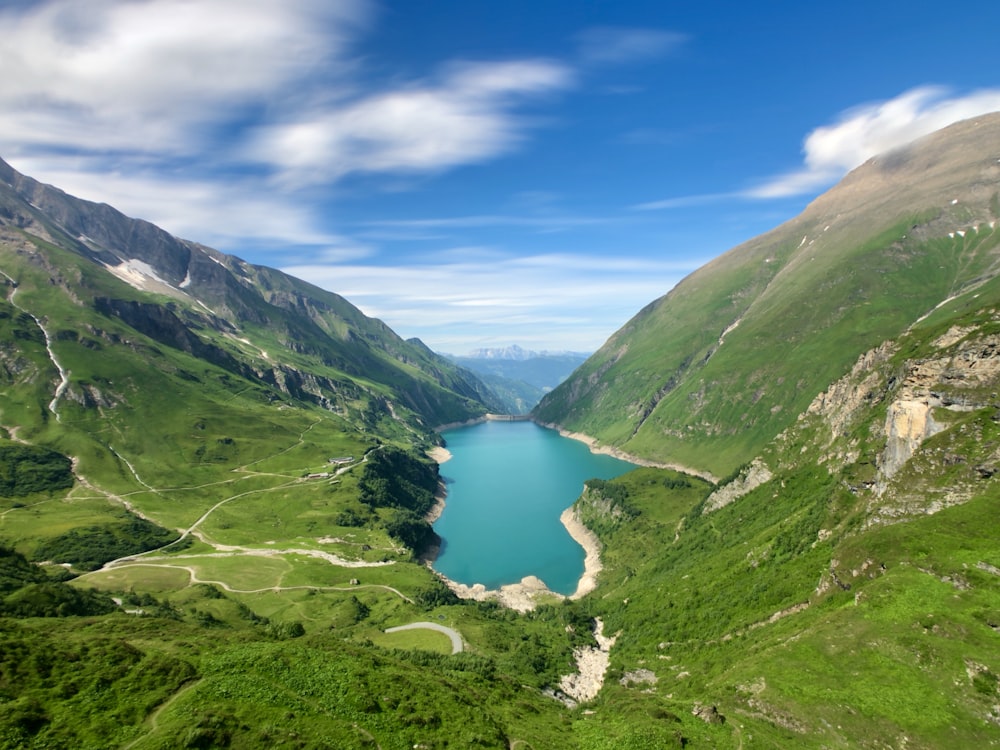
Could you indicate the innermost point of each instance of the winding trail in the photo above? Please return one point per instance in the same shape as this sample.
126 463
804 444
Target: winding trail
266 589
154 717
457 644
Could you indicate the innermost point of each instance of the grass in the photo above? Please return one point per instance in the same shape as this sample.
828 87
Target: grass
415 640
151 579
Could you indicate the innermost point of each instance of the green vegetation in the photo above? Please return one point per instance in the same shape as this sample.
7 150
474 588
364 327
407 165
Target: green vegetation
604 505
25 469
404 484
28 591
89 547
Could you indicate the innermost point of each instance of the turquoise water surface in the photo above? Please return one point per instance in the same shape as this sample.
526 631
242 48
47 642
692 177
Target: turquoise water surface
508 483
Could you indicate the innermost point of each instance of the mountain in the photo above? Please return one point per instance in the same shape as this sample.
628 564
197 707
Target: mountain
104 282
515 352
518 376
708 373
506 352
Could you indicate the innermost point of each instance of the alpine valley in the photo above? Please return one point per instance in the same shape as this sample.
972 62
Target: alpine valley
214 492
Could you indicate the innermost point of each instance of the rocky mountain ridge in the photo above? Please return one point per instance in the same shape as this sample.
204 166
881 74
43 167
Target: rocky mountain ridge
252 321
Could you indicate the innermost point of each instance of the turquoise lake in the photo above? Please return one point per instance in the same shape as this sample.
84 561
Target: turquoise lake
508 483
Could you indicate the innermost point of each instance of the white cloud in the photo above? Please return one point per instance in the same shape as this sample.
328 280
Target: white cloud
546 221
147 105
473 297
608 44
861 133
144 76
685 201
830 151
194 209
466 117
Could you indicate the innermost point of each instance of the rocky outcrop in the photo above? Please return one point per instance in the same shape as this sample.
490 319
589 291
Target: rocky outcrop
708 714
961 379
855 393
756 474
591 663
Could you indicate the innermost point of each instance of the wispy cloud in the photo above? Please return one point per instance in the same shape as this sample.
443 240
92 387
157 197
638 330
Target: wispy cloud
475 297
863 132
618 45
547 221
831 151
468 116
212 118
150 76
686 201
229 217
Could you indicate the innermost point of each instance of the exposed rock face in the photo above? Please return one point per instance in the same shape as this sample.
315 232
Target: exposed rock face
959 380
639 677
753 477
592 663
907 425
939 393
708 714
840 404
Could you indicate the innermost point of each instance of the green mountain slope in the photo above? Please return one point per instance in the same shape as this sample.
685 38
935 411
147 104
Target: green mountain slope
843 590
705 375
254 322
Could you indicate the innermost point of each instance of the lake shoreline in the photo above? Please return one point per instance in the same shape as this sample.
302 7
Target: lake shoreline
606 450
439 455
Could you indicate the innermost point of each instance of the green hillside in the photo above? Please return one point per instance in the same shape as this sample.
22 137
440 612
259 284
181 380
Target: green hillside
705 375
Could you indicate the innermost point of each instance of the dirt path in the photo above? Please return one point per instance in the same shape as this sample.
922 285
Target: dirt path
154 717
456 639
225 586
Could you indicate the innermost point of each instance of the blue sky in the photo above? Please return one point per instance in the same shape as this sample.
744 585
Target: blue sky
479 173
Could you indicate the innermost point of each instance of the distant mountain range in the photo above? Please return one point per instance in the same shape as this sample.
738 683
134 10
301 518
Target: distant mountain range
515 352
520 377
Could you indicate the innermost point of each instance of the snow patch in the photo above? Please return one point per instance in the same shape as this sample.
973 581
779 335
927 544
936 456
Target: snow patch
205 306
138 274
187 281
